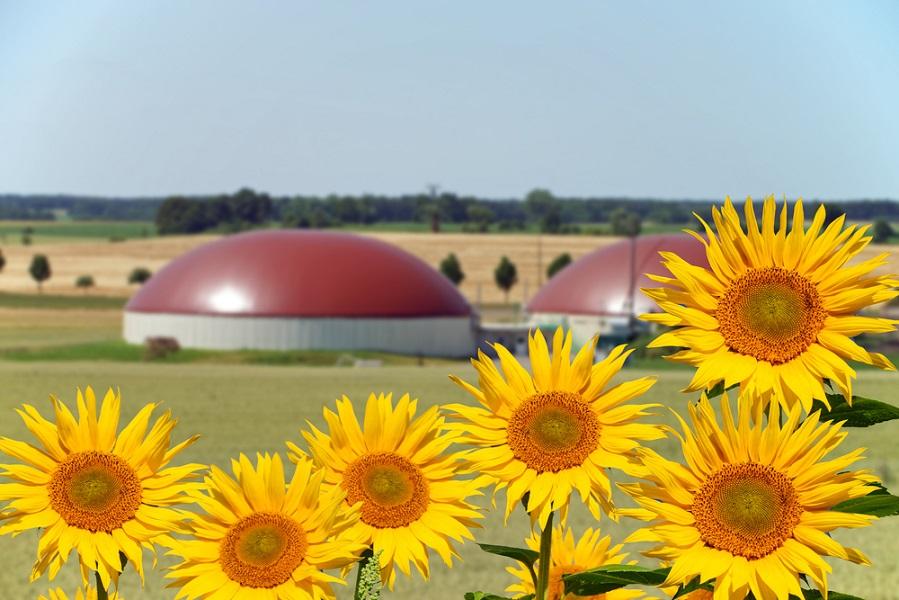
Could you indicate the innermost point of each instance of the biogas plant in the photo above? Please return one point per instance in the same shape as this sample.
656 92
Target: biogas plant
316 290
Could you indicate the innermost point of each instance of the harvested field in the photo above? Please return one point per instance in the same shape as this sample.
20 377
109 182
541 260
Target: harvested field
111 262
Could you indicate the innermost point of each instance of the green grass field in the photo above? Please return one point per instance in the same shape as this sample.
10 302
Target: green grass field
60 302
66 231
247 408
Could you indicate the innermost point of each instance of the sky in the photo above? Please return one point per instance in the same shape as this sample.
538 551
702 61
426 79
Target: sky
666 99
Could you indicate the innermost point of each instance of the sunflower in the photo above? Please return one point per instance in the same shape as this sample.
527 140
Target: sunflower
82 593
776 311
103 495
398 467
556 431
751 508
570 556
265 539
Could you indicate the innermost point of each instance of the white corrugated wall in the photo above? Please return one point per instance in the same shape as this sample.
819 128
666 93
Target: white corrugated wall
432 336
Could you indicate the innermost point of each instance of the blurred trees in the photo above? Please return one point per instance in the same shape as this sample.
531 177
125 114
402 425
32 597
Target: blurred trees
40 270
84 282
479 218
241 210
625 222
452 269
557 264
882 232
539 209
544 209
139 275
505 275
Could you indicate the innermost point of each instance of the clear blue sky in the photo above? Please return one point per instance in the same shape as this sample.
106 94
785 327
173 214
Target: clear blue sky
669 99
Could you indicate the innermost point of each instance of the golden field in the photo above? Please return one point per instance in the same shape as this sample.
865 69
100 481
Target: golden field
110 262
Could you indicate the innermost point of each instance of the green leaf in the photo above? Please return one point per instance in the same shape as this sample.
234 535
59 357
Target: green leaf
611 577
692 587
716 390
879 503
522 555
831 595
486 596
864 412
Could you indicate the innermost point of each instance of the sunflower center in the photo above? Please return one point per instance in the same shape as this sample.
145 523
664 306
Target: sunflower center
97 491
771 314
552 431
746 509
393 491
262 550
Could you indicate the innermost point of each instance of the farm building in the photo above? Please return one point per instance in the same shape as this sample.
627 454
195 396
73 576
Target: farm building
289 289
600 292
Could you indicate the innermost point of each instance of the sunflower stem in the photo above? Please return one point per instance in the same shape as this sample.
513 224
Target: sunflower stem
363 561
102 594
546 542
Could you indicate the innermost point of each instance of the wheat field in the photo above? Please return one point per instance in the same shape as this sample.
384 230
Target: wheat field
110 262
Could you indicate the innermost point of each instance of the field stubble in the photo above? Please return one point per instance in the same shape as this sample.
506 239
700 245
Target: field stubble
251 408
110 263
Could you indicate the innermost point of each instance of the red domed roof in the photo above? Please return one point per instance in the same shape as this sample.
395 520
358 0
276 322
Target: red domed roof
599 283
282 273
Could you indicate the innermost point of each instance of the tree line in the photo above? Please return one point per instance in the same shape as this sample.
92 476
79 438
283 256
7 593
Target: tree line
539 209
246 208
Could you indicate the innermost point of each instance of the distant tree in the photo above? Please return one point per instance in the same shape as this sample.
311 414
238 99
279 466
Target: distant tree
882 231
506 275
182 215
2 260
511 225
27 232
84 282
663 214
833 212
40 270
139 275
479 217
319 218
544 209
557 264
450 267
625 222
249 207
431 213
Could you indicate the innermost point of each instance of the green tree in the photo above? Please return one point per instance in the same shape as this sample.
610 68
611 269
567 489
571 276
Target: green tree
625 222
2 260
544 209
84 282
139 275
557 264
479 217
431 213
882 231
183 215
450 267
833 212
249 207
40 270
505 275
